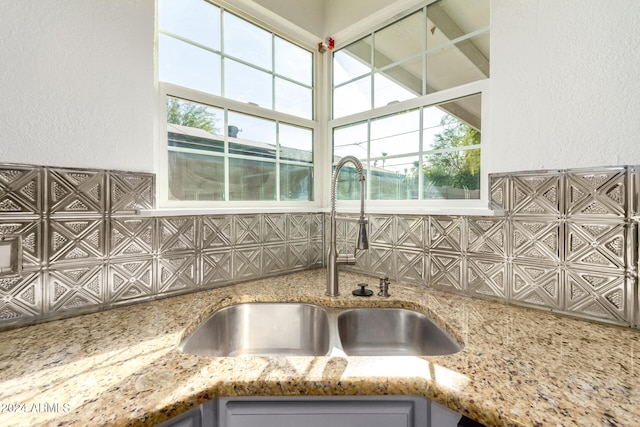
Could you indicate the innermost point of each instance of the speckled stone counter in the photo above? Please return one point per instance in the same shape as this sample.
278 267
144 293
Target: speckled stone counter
122 367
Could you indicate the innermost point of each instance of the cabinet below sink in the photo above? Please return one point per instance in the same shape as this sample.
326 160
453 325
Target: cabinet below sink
298 329
353 411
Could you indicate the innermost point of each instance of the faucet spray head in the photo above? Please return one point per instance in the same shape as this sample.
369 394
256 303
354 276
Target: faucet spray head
363 238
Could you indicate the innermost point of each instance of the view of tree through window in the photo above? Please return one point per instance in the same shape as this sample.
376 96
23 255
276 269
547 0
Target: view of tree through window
427 153
192 115
454 173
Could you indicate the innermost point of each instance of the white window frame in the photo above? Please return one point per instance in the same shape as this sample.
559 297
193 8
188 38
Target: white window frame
283 29
479 87
443 206
322 124
167 90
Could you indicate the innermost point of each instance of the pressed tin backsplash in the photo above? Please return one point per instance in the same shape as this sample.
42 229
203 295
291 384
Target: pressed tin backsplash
568 243
86 249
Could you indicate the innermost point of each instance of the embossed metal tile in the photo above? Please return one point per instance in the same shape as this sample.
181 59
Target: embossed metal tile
382 229
274 228
634 191
131 236
377 261
537 284
410 231
487 276
536 194
74 240
76 192
601 294
21 190
596 244
487 236
536 239
177 273
596 192
297 256
316 253
128 280
246 229
215 267
298 227
20 297
445 271
177 234
216 231
247 263
499 191
274 258
410 265
446 233
75 287
130 192
346 234
316 226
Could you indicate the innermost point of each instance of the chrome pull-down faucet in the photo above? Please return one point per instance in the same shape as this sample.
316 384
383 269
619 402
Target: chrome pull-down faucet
362 241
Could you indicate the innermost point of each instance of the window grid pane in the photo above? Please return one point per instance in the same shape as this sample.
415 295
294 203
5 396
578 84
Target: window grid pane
202 72
247 42
193 20
265 157
237 157
198 40
428 153
441 46
293 62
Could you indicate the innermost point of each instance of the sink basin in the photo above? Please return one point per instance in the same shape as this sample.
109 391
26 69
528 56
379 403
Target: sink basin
298 329
262 329
392 332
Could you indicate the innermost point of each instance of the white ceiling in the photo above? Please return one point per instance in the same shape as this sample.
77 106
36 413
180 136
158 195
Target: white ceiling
325 17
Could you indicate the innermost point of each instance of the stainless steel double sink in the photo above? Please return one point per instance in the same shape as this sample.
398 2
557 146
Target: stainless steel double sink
298 329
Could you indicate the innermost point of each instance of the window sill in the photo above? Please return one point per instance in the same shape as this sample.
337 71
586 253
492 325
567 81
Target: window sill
451 211
223 211
444 211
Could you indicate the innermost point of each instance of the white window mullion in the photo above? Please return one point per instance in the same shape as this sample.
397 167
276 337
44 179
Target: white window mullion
278 161
420 154
369 171
227 173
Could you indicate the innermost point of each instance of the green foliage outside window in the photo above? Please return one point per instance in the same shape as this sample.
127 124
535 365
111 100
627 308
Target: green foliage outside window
192 115
460 168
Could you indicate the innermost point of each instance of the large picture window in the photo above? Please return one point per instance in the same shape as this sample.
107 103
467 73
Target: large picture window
239 107
405 103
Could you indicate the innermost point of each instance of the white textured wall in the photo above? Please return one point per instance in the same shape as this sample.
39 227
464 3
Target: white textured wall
76 83
565 84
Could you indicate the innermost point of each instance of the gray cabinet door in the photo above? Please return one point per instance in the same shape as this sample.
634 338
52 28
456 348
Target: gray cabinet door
202 416
441 416
318 412
191 418
352 411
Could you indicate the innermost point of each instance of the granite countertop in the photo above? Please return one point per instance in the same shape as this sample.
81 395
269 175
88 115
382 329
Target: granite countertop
122 366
